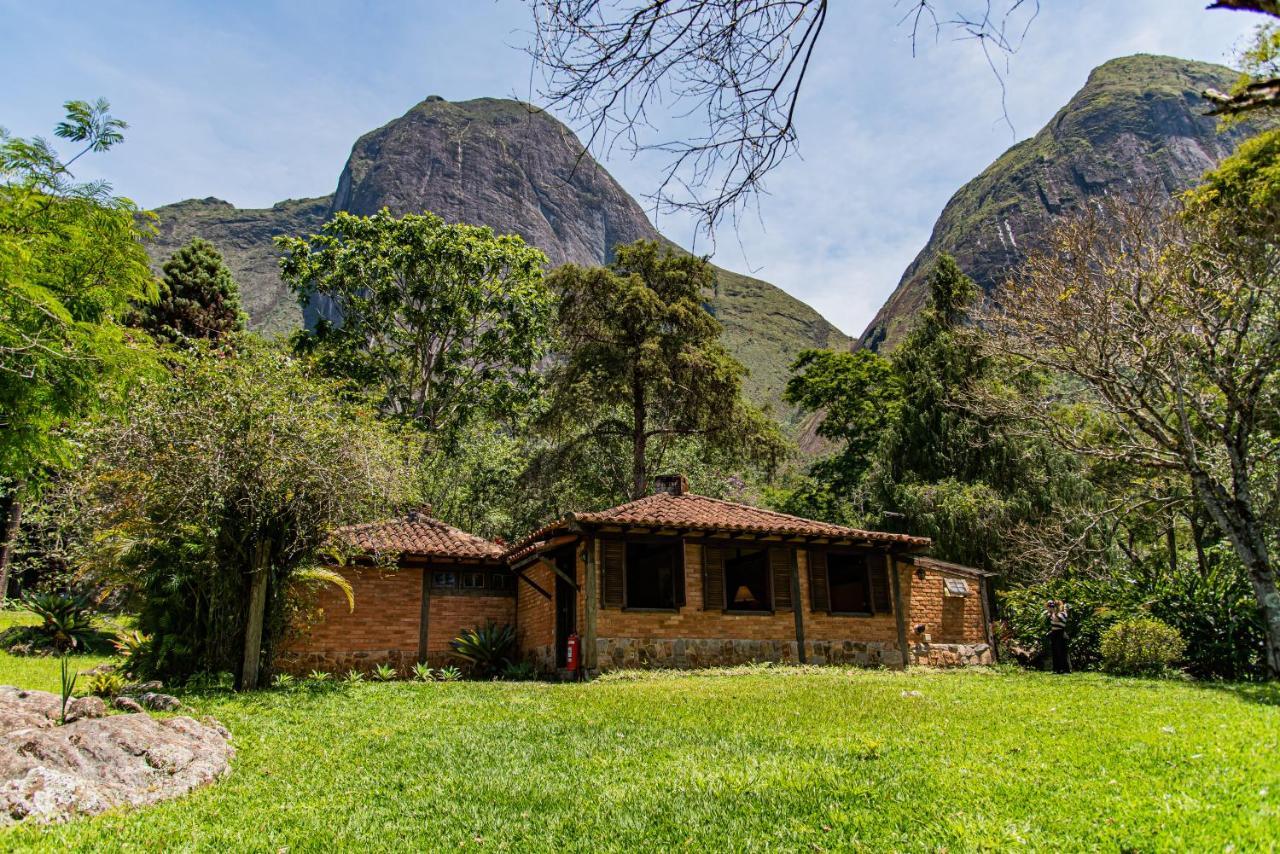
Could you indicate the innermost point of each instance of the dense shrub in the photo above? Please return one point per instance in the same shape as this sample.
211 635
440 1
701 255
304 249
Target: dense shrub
1141 646
486 649
1092 606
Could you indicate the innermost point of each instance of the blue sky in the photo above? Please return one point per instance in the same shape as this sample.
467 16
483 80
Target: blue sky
255 102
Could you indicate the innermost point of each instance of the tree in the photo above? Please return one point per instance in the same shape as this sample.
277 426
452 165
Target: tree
71 264
642 365
441 323
858 395
198 298
220 487
1259 84
615 66
1165 325
916 453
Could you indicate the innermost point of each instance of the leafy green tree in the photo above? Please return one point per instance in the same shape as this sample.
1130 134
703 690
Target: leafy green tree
221 488
948 467
198 298
441 323
642 366
71 264
859 396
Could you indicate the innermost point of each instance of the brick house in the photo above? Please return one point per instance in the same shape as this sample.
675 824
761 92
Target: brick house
681 580
418 584
670 580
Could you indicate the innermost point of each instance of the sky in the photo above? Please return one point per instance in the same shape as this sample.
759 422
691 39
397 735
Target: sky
254 102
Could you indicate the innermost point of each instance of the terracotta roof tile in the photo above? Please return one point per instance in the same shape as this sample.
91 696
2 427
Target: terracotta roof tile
421 536
700 513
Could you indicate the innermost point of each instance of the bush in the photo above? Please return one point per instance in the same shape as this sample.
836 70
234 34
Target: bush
1092 606
66 625
1141 646
486 649
106 684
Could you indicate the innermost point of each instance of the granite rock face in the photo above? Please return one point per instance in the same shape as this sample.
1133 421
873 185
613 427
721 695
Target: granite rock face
501 164
1138 121
51 773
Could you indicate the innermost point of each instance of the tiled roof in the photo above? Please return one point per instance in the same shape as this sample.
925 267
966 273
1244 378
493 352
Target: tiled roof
419 536
700 513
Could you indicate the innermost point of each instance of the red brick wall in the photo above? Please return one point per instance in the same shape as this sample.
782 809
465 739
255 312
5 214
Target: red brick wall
385 625
692 621
451 615
535 613
946 619
388 608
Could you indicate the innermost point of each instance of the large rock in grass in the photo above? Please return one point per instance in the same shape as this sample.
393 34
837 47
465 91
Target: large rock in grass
52 773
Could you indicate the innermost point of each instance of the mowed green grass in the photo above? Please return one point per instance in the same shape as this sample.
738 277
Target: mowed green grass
764 759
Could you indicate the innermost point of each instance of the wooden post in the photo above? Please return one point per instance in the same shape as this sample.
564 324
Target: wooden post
590 605
257 616
797 605
986 618
899 612
423 634
12 524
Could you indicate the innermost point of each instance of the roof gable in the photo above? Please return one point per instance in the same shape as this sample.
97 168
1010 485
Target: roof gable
422 536
690 512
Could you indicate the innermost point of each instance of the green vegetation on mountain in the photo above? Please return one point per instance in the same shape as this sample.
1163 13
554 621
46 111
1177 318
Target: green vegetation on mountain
500 164
1138 121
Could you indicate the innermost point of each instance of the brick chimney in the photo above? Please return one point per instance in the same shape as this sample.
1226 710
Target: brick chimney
416 513
672 484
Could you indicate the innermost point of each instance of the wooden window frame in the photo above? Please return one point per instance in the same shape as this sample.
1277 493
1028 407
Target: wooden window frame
768 572
676 595
868 555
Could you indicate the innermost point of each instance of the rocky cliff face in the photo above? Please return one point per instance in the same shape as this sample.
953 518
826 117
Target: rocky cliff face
501 164
1138 120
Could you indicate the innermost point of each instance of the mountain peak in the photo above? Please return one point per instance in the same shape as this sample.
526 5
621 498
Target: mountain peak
1138 120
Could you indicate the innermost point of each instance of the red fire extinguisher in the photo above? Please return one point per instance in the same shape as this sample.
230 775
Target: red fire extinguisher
571 654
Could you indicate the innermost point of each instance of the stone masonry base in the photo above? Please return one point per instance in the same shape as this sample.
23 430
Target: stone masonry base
615 653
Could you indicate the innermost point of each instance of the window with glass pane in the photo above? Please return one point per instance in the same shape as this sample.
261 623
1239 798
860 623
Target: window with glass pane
651 574
849 583
444 579
746 580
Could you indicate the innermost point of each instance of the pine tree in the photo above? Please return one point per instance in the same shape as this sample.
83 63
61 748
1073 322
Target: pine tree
198 297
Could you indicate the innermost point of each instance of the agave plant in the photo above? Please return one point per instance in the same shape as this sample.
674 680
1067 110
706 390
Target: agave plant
132 646
487 649
353 677
285 681
384 673
449 674
66 620
423 673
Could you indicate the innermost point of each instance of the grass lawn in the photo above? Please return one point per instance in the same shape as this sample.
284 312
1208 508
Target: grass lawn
779 759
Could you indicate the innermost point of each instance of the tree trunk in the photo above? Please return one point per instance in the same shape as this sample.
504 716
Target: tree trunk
12 518
257 616
1264 587
639 439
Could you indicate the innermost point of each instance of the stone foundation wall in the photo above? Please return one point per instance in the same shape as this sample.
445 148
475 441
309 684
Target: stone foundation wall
951 654
615 653
301 662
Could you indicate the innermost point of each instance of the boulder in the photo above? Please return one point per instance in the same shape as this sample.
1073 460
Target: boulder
127 704
160 702
94 763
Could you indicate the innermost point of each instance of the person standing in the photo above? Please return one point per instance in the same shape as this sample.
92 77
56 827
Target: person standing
1056 609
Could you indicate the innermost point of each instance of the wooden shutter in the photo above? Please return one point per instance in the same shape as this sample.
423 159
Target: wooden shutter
881 592
780 567
712 578
615 573
677 572
819 595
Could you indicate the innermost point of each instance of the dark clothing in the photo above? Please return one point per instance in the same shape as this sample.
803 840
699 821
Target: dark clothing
1058 647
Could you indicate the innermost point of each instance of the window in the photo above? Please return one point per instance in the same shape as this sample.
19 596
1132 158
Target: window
499 581
746 580
849 583
653 579
444 579
473 580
